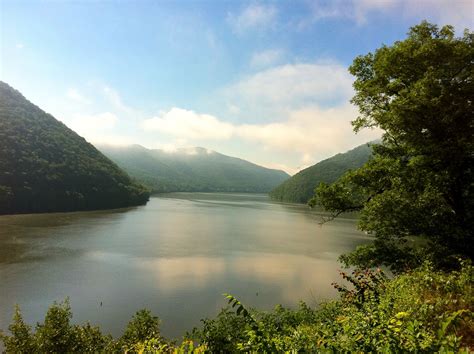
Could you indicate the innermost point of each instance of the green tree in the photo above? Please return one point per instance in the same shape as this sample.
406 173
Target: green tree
143 327
54 335
21 339
415 196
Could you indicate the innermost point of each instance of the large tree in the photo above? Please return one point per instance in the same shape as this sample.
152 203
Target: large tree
415 196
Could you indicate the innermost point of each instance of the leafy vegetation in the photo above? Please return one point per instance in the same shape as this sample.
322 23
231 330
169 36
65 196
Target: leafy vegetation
300 187
45 166
424 310
193 170
57 335
416 195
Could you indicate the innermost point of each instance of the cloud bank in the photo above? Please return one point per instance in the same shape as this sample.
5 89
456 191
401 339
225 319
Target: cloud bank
312 132
284 88
313 121
186 124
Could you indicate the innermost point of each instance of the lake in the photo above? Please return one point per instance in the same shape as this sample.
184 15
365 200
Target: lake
174 256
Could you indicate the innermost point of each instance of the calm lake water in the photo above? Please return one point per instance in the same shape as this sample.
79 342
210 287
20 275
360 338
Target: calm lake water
175 256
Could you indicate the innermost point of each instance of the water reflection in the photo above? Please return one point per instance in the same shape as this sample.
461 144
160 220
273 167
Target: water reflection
179 274
176 256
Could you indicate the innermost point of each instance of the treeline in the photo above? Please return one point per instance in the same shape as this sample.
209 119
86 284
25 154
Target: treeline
300 187
420 311
45 166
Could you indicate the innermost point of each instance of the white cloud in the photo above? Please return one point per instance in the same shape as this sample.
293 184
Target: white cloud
86 124
356 10
74 95
293 86
459 13
314 120
98 128
362 8
291 170
111 139
115 100
266 58
187 124
314 133
454 12
233 109
321 9
19 46
254 16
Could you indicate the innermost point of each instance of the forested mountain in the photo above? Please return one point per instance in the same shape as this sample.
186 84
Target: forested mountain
300 187
192 170
45 166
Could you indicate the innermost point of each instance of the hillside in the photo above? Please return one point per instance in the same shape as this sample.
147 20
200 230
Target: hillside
300 187
45 166
193 170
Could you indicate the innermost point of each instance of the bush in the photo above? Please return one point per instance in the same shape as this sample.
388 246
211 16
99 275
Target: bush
55 334
423 310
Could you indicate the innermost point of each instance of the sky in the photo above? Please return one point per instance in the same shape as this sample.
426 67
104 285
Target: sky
266 81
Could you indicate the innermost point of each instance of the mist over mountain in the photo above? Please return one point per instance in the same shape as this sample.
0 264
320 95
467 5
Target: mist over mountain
45 166
192 170
300 187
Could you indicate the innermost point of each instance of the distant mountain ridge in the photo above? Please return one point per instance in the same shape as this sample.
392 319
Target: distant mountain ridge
193 170
300 188
46 167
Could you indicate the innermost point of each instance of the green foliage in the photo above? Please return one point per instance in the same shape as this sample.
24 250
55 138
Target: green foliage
424 310
55 334
21 339
222 333
143 327
300 187
415 196
196 170
234 302
89 339
366 286
45 166
157 346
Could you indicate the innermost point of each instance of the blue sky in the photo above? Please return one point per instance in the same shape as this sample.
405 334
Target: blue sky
266 81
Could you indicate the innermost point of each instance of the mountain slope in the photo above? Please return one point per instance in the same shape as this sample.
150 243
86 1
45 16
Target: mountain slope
192 170
300 187
45 166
